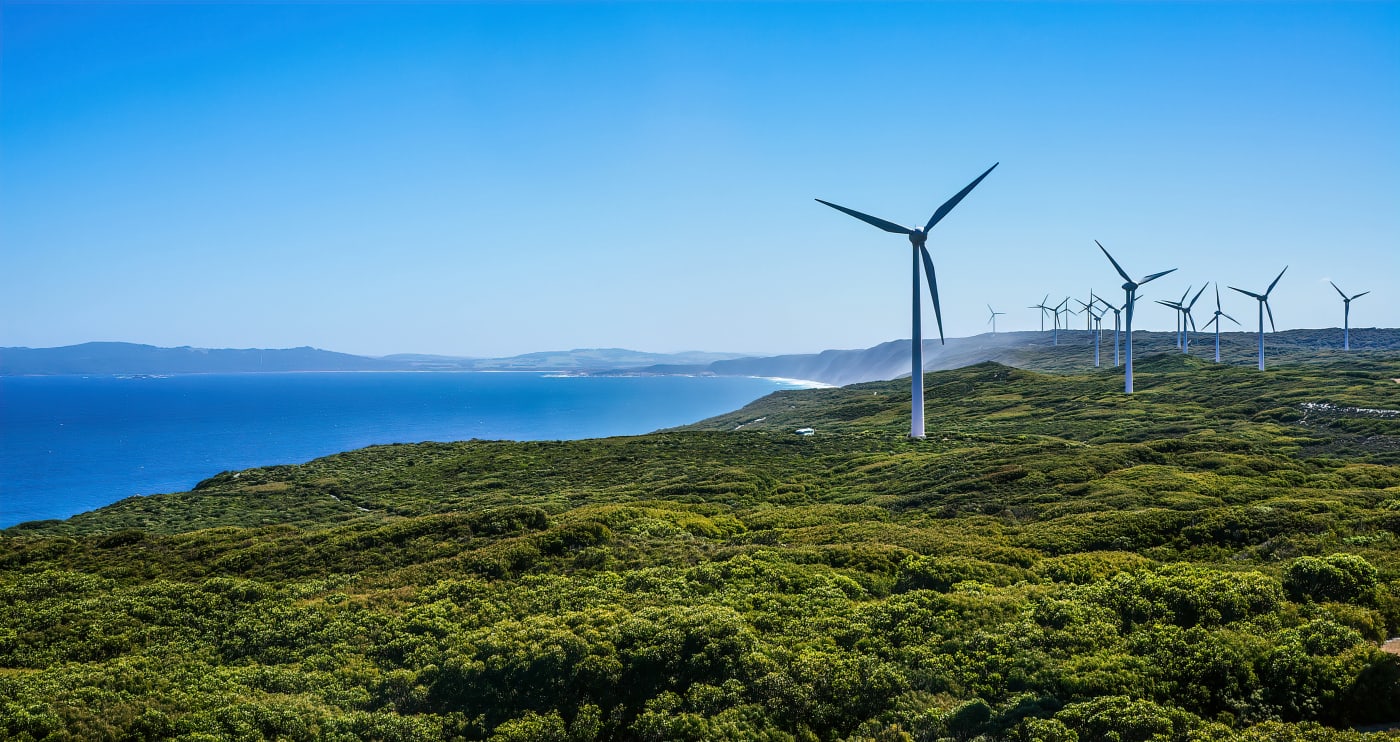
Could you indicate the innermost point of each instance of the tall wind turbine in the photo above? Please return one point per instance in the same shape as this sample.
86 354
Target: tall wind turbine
1216 321
1346 315
1264 305
993 320
1130 288
917 238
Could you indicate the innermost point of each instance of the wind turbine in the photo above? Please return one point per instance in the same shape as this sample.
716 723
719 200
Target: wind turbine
1117 313
1088 315
1216 321
1061 308
1043 309
1264 305
1346 315
917 238
1130 288
993 320
1183 309
1186 337
1098 326
1179 309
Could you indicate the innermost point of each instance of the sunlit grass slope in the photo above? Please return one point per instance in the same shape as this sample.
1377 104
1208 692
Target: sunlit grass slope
1213 558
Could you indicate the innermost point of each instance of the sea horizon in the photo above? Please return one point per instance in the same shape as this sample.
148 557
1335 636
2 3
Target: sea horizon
70 443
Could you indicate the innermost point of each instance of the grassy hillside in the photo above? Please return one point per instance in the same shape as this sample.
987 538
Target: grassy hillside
1213 558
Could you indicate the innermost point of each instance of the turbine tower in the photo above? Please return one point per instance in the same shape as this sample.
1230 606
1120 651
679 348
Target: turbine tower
1346 315
1130 288
917 238
1264 305
1216 321
993 320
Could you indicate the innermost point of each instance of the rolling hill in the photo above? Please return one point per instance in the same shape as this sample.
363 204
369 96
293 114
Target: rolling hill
1213 558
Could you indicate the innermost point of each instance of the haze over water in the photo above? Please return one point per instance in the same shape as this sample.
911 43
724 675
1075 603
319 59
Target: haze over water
70 444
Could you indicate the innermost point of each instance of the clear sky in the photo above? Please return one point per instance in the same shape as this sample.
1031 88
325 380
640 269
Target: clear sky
488 179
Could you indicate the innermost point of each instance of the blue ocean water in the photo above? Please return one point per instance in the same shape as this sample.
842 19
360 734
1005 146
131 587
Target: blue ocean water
70 443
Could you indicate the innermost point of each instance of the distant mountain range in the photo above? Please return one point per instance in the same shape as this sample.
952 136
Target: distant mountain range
133 358
1032 350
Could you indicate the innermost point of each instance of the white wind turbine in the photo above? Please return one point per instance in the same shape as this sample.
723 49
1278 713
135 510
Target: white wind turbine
993 320
1346 315
917 237
1130 288
1216 321
1263 300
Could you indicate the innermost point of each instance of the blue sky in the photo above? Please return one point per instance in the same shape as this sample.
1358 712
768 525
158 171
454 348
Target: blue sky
488 179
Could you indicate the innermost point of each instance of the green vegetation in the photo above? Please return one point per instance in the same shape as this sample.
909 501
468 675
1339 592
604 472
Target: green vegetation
1213 558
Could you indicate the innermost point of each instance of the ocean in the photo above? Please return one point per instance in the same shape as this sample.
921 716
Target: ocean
69 444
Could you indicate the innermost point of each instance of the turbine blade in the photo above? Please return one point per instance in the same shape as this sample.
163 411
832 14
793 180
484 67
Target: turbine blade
948 206
1275 283
1192 320
1212 321
1232 319
1246 293
1116 266
868 219
933 289
1197 296
1217 297
1272 328
1154 277
1358 296
1344 296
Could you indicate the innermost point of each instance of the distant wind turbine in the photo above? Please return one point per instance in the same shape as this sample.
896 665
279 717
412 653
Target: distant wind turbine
1346 315
1216 321
917 238
1059 309
1098 326
1183 309
1263 306
1043 309
993 320
1088 315
1130 288
1117 312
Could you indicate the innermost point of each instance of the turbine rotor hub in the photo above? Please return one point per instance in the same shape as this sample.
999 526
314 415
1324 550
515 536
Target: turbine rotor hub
918 237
